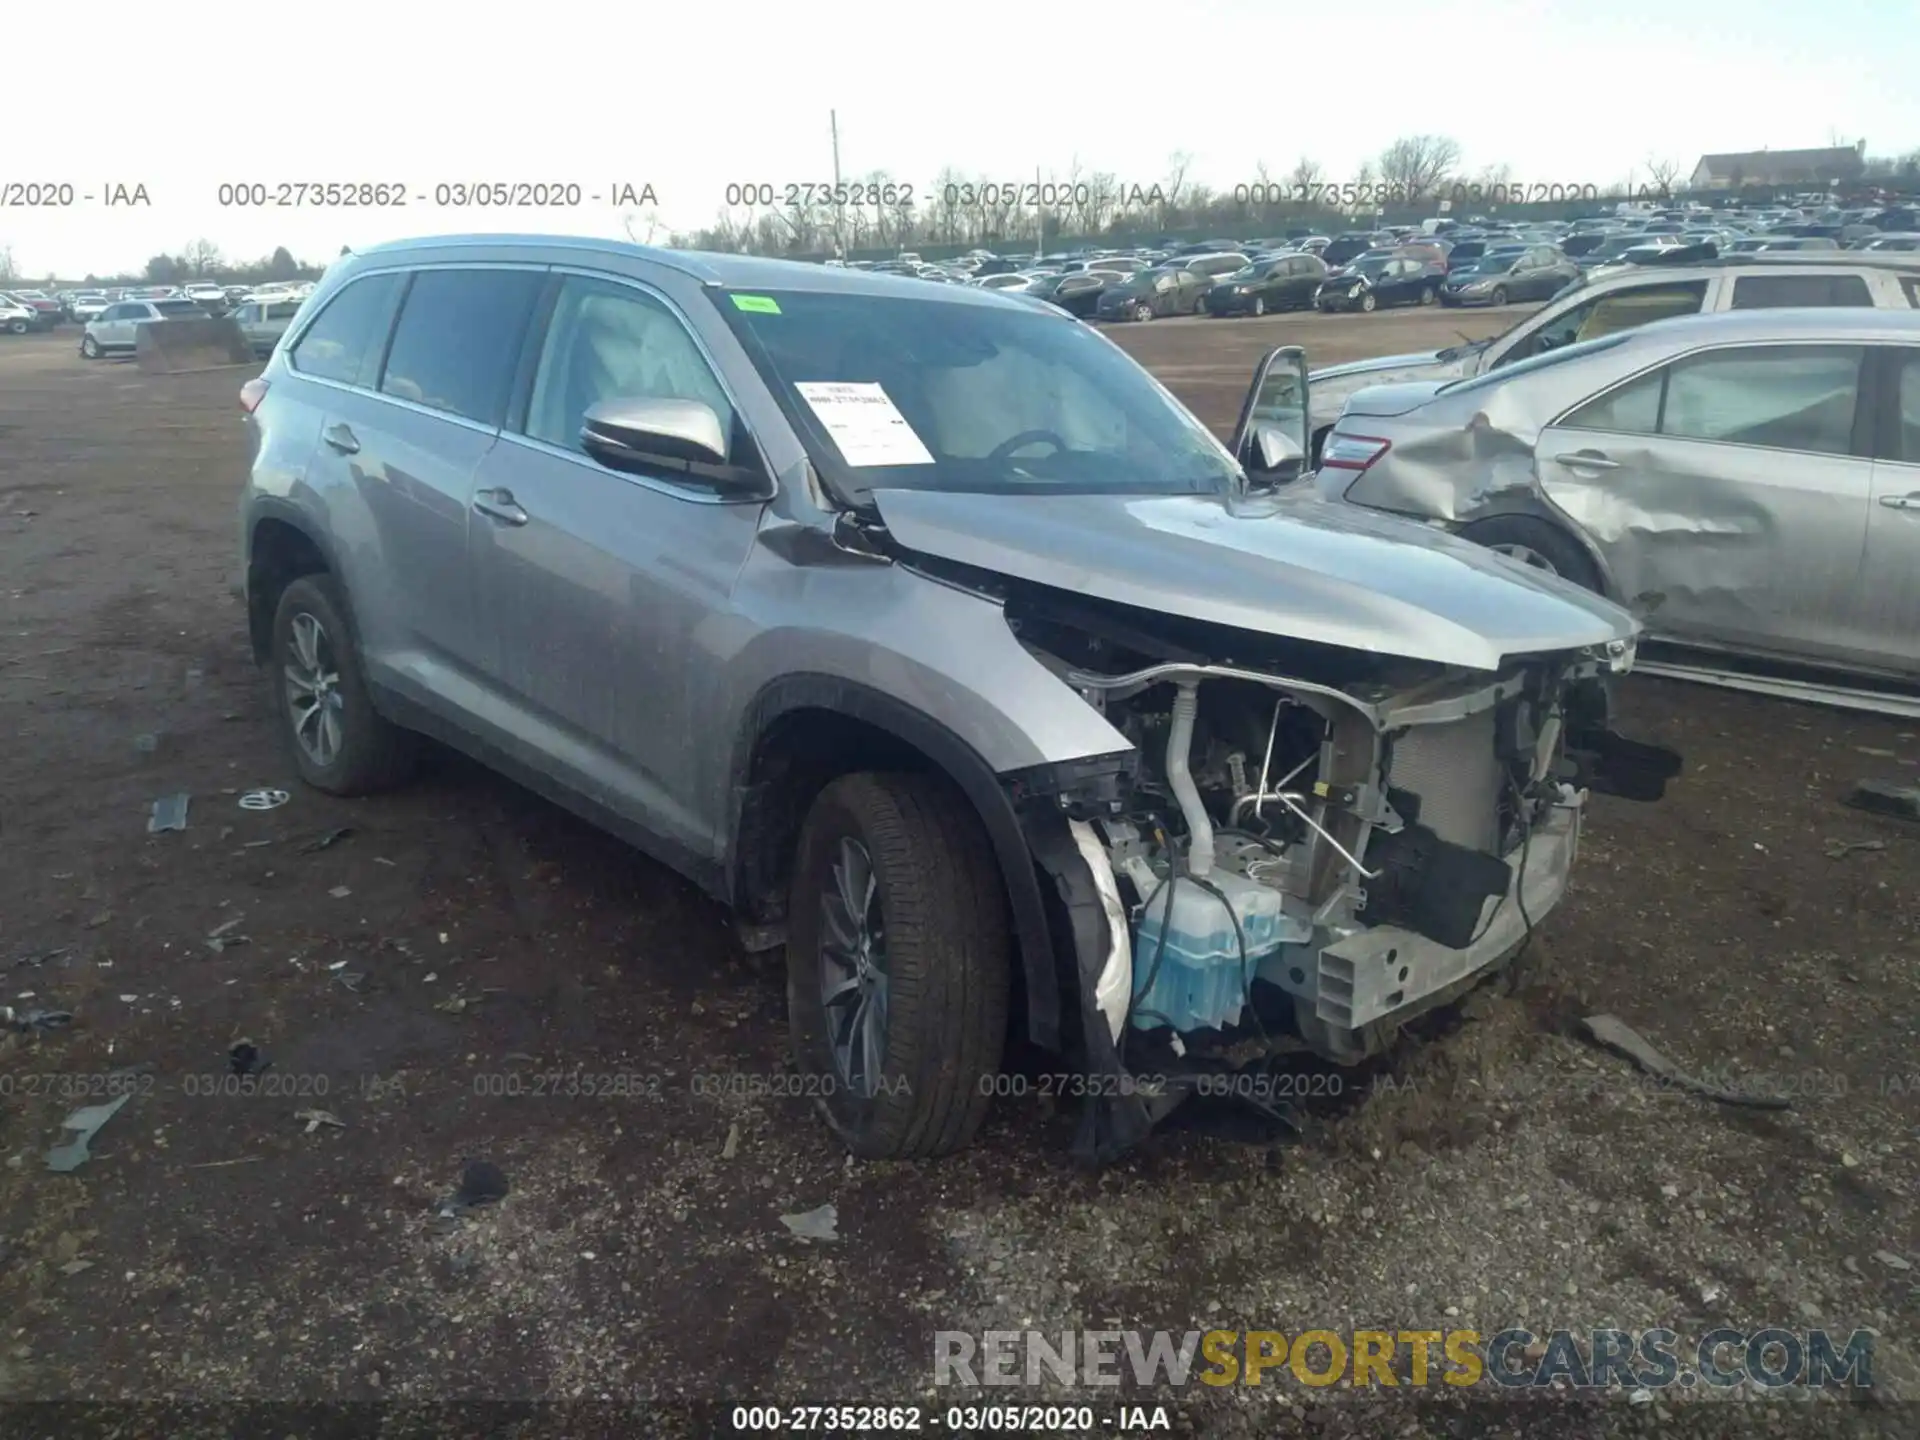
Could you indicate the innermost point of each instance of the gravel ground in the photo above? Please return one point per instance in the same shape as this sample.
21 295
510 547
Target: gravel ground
419 976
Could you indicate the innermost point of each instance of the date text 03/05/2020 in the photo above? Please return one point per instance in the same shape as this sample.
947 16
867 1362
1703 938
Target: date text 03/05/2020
955 1419
443 194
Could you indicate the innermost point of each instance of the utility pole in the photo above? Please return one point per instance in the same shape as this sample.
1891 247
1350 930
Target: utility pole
1039 245
839 235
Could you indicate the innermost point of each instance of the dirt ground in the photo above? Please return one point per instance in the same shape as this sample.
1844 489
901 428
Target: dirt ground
456 943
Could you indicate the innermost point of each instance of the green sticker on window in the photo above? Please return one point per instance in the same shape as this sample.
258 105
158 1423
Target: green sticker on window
757 304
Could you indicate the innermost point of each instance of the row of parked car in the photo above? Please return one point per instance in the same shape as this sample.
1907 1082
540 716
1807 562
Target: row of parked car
110 319
1443 261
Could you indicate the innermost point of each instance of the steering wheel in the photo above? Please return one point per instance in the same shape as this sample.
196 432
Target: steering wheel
1004 450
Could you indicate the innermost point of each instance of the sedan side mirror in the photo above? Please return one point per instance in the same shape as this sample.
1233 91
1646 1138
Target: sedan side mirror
1277 450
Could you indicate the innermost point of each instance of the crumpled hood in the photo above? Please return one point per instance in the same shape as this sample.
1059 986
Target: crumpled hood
1289 565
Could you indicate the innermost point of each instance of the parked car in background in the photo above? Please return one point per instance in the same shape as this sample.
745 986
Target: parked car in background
46 310
1748 483
1286 282
1802 242
1636 296
117 327
801 581
16 318
264 322
1537 273
1884 243
1350 246
87 305
1381 281
1077 292
1170 290
209 297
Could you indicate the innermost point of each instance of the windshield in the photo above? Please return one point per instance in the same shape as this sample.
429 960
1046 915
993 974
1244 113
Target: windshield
904 393
1534 362
1372 269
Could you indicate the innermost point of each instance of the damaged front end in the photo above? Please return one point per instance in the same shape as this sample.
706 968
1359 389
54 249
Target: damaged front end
1312 847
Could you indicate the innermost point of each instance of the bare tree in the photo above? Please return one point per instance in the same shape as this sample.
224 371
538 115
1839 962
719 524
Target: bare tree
1664 174
1418 163
7 271
641 225
1173 188
201 256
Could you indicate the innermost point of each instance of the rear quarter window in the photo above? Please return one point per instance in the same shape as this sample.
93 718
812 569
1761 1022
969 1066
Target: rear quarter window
1760 292
345 338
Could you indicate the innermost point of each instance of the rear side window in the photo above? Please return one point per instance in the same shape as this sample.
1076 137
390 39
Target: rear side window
458 341
344 339
1759 292
1799 397
1906 417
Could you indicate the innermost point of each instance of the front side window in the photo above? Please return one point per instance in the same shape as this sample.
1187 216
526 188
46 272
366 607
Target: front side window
893 392
1906 390
1784 397
612 342
458 340
1629 409
347 335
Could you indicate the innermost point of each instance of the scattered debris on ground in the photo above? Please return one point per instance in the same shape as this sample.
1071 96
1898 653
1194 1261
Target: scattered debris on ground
1616 1034
85 1123
817 1224
169 813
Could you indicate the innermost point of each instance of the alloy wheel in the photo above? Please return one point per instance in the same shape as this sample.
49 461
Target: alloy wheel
314 702
853 968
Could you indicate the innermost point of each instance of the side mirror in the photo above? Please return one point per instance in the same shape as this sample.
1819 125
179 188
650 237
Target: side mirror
677 437
619 433
1277 451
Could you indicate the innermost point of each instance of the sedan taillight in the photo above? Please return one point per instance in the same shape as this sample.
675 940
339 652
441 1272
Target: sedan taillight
1352 452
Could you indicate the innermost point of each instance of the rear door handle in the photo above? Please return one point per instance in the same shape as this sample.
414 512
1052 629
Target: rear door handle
342 439
1902 502
1587 459
501 505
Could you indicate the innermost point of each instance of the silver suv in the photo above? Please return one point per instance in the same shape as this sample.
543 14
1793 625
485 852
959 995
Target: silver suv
925 629
1635 296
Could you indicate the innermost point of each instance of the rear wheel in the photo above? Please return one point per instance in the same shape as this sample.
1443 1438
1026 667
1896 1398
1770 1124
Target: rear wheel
1429 295
1539 544
340 743
897 964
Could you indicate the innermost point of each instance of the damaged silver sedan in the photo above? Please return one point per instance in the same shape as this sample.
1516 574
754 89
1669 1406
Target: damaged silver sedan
922 627
1747 483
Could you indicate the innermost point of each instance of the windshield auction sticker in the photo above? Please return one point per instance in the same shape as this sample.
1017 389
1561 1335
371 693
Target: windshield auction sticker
865 423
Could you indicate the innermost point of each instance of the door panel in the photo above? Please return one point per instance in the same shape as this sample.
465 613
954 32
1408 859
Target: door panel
598 607
1890 590
1742 522
594 610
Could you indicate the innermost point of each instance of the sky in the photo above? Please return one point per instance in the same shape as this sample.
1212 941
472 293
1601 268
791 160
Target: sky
687 99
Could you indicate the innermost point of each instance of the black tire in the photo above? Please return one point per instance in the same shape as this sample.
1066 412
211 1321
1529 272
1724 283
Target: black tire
1499 296
89 348
1143 311
1369 302
1259 306
947 958
1429 295
1319 444
19 327
373 753
1563 553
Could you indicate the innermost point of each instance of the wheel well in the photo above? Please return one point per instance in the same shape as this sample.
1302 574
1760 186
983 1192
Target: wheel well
797 756
279 555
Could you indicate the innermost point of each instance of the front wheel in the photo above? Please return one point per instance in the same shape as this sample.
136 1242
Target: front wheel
89 347
1259 306
1499 296
1539 544
1368 303
1143 312
898 962
1429 295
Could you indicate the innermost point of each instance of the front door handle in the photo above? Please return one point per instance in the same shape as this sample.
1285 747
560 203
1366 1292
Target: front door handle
501 505
1587 459
1902 502
342 439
